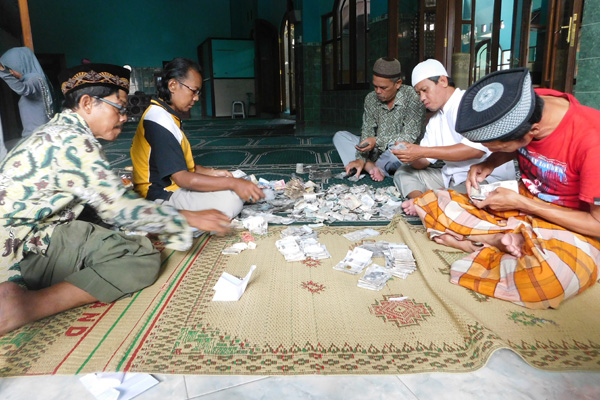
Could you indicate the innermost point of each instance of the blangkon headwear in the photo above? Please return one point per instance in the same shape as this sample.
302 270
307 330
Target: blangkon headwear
86 75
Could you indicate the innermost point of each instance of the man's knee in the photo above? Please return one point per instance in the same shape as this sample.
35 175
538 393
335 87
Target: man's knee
345 139
232 204
407 181
142 268
338 136
399 175
120 266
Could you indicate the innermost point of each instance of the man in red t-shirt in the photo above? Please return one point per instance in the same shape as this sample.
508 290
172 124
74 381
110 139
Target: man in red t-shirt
537 247
564 168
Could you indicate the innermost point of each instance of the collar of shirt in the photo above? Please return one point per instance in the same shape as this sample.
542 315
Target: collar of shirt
397 100
452 101
78 120
161 103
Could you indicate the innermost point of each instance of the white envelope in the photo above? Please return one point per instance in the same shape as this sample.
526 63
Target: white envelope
117 386
231 288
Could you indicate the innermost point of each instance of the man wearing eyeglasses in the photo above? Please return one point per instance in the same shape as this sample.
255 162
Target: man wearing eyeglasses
52 259
164 169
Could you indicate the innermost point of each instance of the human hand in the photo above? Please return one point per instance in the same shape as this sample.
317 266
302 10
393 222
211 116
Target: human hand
501 199
208 220
221 172
477 174
370 145
358 164
411 153
248 191
16 74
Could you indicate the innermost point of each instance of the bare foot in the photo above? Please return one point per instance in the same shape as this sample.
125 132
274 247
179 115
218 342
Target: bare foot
19 306
448 240
374 171
13 307
409 207
513 244
376 174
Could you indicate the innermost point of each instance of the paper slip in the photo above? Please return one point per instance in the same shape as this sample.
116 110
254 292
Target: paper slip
289 247
313 249
361 234
231 288
399 260
484 190
377 248
375 278
398 146
353 178
238 173
297 248
117 386
355 261
235 248
303 231
256 224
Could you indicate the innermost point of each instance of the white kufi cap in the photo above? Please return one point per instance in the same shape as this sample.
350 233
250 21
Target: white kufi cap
427 69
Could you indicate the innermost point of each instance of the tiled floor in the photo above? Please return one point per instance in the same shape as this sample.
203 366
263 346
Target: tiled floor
505 376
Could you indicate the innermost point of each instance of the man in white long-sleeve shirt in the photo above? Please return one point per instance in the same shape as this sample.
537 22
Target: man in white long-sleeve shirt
441 141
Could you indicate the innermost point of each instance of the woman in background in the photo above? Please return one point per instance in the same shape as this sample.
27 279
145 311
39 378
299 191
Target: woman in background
24 75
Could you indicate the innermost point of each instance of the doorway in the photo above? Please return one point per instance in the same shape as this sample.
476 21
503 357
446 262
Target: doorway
486 34
559 68
267 82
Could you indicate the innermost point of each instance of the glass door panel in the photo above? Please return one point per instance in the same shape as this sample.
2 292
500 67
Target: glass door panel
485 34
484 16
505 38
538 36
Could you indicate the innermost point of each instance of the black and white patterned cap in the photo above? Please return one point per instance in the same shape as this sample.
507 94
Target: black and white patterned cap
496 105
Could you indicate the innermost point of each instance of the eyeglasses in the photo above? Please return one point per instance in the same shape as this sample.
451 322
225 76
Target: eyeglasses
122 110
196 92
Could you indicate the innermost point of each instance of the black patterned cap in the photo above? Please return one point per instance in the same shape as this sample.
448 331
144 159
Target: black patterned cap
496 105
387 68
86 75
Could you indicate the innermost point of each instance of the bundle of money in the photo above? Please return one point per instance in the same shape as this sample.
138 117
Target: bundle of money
355 261
399 260
375 278
361 234
290 249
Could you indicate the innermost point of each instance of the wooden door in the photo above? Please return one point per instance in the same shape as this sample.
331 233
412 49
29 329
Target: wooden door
560 65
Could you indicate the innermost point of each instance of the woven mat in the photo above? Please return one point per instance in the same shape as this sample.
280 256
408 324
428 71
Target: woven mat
304 318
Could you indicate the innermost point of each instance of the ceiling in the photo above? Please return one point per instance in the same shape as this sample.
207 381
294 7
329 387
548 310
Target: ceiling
10 20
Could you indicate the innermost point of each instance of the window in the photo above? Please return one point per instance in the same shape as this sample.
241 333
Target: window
345 36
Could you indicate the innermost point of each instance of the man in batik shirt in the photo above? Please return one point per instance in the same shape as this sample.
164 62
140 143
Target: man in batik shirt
392 113
51 261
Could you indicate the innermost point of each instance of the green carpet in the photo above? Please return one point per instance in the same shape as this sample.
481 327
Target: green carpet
267 148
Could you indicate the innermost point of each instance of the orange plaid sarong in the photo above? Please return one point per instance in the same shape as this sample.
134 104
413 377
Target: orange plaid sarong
557 264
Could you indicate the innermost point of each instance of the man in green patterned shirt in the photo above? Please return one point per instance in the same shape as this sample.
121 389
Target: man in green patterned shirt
52 261
392 113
